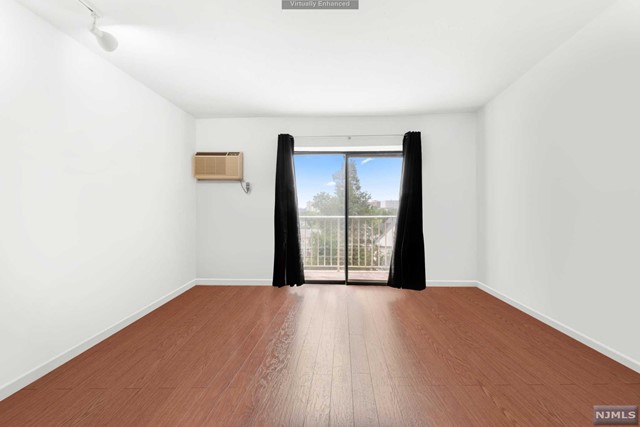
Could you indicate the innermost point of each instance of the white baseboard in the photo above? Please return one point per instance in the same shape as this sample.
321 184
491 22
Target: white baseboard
8 389
452 283
267 282
233 282
590 342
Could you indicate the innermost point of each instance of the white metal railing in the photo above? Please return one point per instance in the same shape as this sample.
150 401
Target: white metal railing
369 242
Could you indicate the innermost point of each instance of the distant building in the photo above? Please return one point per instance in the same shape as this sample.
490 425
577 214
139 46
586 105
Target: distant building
375 203
390 204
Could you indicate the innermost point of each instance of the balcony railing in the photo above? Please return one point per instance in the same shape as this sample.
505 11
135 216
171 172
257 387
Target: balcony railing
369 243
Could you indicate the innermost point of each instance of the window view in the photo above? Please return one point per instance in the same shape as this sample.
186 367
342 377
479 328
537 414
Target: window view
374 189
361 250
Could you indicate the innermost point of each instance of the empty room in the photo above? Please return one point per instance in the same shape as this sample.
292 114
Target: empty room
319 213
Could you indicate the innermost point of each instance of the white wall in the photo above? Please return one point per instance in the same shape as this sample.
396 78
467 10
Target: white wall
235 231
97 217
559 185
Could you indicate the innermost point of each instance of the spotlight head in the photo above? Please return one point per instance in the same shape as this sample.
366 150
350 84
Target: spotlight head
106 40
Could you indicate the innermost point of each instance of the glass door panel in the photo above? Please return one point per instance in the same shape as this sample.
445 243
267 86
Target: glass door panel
373 183
321 209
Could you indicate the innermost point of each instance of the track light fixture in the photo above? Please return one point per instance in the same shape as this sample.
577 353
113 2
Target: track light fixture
106 40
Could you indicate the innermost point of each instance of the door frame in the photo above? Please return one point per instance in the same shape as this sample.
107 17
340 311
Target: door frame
347 155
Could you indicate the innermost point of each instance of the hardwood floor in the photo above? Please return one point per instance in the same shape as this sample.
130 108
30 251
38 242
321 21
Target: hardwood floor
329 355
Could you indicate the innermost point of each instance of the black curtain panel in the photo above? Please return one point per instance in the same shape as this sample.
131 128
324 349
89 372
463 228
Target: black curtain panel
287 263
407 270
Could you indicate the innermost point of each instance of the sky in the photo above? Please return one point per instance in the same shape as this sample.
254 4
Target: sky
380 176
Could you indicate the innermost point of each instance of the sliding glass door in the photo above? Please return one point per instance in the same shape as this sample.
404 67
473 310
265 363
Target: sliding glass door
348 204
374 189
319 179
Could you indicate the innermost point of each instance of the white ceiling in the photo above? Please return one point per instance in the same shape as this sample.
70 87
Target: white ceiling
250 58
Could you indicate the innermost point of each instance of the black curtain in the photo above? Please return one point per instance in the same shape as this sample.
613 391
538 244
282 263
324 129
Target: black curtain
407 268
287 262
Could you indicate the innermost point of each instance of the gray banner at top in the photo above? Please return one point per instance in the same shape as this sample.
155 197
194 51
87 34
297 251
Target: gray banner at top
320 4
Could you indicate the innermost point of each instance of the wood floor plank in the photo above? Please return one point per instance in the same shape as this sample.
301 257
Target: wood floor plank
71 406
341 397
365 412
384 384
170 413
148 325
413 414
341 379
219 397
527 405
285 397
136 353
167 345
103 408
328 355
302 370
28 406
141 408
441 406
557 346
318 412
358 350
200 358
245 392
546 399
404 360
478 407
492 344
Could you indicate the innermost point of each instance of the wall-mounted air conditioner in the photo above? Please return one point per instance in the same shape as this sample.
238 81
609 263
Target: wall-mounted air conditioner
218 166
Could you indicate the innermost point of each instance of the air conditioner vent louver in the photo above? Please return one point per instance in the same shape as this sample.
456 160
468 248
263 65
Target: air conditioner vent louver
218 166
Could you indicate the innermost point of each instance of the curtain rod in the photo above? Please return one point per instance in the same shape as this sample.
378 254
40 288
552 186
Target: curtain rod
345 136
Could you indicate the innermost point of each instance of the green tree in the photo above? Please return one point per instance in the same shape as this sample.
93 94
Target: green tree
326 243
324 203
